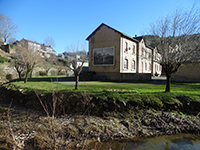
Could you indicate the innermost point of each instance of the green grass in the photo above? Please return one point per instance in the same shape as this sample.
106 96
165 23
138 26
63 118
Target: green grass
2 59
116 90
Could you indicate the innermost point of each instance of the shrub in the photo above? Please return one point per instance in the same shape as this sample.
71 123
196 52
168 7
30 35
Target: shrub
23 74
2 59
11 46
9 77
42 73
62 73
37 74
53 72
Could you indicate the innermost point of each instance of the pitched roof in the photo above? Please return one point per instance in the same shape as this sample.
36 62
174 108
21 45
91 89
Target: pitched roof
122 34
139 38
30 41
35 43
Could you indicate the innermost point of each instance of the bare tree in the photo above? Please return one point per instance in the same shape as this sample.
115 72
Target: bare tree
18 62
48 63
18 65
49 41
11 40
29 57
60 65
7 27
75 63
176 42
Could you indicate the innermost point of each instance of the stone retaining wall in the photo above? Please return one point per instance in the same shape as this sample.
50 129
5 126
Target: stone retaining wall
113 76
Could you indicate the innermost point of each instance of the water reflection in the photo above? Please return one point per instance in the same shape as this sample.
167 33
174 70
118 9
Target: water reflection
169 142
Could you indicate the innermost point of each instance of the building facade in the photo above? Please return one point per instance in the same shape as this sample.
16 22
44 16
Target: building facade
114 55
44 50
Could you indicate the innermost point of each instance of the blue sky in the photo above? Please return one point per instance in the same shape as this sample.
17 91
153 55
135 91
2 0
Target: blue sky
71 21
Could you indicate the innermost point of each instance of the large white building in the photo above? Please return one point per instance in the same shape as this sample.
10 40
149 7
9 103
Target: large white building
117 56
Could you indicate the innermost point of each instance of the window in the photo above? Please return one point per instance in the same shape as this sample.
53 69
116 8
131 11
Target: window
149 55
133 64
126 46
145 66
133 49
142 67
149 66
155 68
125 63
142 51
104 56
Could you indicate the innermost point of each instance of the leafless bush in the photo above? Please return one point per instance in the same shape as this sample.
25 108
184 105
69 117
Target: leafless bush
60 134
9 77
56 132
14 139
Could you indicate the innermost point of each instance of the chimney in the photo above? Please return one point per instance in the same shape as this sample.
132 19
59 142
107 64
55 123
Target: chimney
135 35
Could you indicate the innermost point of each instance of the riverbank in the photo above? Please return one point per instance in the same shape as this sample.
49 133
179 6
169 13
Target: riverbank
85 119
78 130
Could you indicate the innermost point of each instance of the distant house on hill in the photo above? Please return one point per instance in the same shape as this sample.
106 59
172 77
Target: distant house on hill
43 49
114 55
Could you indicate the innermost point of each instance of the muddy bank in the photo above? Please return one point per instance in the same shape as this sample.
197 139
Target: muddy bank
81 119
77 131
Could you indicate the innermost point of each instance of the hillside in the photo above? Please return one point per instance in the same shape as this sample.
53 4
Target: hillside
4 54
152 40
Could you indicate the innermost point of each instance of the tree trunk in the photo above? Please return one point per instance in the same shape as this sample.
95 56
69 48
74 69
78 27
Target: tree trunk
167 89
31 74
77 79
59 71
29 69
47 72
19 74
19 71
26 77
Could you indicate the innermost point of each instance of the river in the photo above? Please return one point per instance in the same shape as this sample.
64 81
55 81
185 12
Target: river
166 142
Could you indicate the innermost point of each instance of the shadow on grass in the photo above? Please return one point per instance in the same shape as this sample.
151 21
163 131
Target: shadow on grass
44 79
189 85
66 79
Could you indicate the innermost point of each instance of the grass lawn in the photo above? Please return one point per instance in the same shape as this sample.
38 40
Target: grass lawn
117 90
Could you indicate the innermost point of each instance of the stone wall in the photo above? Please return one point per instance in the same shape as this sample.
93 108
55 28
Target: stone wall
188 72
135 76
114 76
